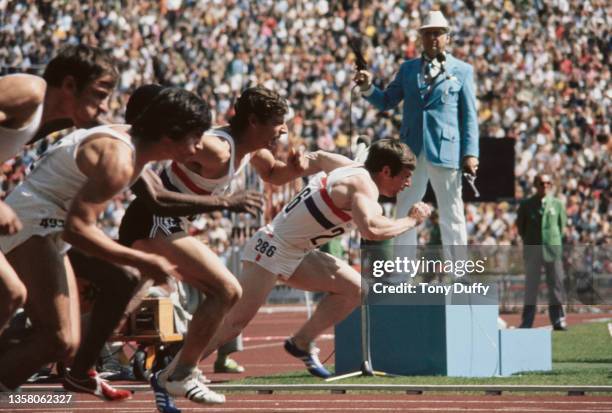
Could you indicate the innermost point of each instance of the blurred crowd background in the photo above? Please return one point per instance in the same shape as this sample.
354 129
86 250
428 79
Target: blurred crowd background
542 78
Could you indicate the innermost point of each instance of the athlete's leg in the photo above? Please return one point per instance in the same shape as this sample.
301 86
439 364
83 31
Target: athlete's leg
322 272
256 283
116 286
12 292
50 305
201 268
74 305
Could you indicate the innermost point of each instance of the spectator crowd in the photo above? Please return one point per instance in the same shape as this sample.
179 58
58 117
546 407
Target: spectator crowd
542 78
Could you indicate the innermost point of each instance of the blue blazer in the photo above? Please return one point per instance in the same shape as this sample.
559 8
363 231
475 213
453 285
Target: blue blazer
444 120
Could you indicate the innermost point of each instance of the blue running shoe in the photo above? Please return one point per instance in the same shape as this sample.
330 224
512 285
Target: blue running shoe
310 359
163 401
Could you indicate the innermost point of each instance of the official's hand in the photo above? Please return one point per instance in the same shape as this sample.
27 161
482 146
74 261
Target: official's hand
247 201
470 165
419 212
9 222
364 79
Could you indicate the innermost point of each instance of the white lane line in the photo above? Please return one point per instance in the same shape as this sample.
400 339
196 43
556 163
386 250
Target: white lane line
317 409
377 401
283 309
280 342
282 338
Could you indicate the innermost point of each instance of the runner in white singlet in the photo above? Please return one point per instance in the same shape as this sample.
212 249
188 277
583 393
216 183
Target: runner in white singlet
59 203
30 108
258 123
346 194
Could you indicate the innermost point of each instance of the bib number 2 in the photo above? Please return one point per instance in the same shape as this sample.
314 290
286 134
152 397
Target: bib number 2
321 239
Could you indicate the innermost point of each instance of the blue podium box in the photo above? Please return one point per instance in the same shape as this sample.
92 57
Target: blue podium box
523 350
433 340
460 339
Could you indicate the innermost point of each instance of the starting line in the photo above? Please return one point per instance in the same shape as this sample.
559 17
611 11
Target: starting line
343 388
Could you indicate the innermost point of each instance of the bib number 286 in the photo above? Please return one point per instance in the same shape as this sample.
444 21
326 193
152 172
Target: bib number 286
265 248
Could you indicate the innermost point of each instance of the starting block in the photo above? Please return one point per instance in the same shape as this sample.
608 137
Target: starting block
153 320
151 324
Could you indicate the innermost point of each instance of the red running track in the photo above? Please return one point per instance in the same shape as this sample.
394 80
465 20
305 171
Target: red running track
264 355
358 403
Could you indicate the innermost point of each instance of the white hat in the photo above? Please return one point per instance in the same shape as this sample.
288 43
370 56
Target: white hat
435 19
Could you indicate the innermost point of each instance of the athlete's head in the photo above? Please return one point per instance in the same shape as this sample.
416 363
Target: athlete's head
260 113
390 163
140 99
175 117
85 76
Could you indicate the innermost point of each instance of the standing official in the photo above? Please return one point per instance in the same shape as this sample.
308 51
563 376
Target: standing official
439 125
540 222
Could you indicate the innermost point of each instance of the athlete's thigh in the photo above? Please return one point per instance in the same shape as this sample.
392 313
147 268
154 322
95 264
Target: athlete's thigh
322 272
196 263
50 287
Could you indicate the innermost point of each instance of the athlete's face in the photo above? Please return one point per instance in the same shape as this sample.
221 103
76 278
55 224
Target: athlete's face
184 148
270 131
91 103
392 185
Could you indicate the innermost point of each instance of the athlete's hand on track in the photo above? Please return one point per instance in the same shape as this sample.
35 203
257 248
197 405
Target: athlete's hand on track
9 222
247 201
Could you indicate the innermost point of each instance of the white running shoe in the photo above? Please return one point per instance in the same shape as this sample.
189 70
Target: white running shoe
202 378
192 388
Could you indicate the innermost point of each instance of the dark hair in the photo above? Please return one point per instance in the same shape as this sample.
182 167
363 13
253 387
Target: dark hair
140 99
259 101
84 63
392 153
174 112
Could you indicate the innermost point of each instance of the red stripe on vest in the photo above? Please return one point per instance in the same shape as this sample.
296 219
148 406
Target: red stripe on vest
327 199
187 181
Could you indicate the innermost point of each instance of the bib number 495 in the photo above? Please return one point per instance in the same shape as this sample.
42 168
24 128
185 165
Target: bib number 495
51 223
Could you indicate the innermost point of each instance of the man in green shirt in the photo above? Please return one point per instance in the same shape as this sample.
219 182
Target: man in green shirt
541 221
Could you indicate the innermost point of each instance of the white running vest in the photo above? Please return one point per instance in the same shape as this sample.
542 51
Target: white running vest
312 218
177 177
56 176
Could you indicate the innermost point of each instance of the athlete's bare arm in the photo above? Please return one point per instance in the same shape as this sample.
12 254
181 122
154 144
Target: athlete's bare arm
20 95
325 161
368 214
212 158
298 165
278 172
108 164
163 202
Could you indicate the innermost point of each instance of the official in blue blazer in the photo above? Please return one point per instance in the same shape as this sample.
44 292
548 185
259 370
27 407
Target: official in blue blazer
440 124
